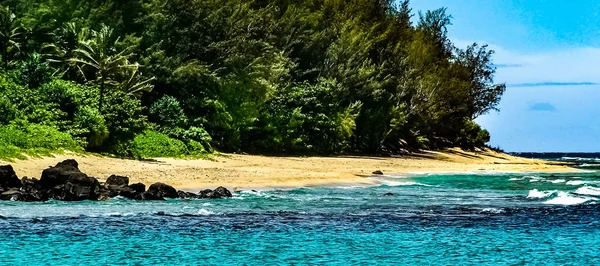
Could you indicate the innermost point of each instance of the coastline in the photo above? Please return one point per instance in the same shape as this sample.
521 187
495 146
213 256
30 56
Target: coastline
256 172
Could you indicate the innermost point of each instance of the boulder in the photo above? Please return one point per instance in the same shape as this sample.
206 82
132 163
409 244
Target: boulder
117 181
161 190
133 191
138 187
186 195
65 182
218 193
69 164
12 195
205 194
32 190
378 172
148 196
30 184
222 192
8 177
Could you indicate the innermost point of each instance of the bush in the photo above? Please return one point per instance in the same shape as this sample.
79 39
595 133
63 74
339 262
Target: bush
123 116
168 112
154 144
18 138
193 137
91 126
472 136
8 111
305 118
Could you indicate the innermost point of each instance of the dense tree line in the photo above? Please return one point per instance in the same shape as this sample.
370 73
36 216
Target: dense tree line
151 78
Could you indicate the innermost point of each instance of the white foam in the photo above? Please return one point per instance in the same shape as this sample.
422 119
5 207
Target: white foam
492 210
536 194
516 178
565 199
575 183
205 212
555 181
588 191
396 182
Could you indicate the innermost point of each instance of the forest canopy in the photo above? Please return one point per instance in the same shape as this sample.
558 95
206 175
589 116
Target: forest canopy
178 77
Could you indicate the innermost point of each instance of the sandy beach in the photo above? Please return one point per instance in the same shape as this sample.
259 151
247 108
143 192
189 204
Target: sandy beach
252 171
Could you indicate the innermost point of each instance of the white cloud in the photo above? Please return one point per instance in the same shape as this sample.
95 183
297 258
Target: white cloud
573 65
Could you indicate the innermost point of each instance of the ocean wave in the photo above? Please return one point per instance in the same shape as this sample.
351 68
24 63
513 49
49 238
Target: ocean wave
394 182
205 212
556 181
580 159
536 194
493 210
586 190
564 198
575 182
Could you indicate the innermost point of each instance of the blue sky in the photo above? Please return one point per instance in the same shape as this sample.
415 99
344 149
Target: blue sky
548 54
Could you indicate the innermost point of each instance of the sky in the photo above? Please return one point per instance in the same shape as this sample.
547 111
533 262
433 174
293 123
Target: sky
548 54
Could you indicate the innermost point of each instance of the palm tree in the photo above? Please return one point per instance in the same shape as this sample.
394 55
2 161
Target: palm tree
135 82
10 34
101 55
66 41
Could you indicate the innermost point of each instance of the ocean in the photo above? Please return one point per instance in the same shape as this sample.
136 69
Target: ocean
427 219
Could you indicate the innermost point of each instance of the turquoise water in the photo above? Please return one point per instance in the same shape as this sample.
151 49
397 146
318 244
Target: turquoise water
466 219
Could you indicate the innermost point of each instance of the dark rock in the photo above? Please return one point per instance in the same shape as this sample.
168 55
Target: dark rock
73 192
117 181
149 196
30 184
132 191
388 194
33 190
138 187
161 190
222 192
8 177
378 172
186 195
69 164
66 182
12 195
205 194
218 193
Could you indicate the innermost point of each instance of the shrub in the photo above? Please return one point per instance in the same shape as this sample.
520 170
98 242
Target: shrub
472 136
168 112
154 144
197 135
91 126
20 137
123 116
8 111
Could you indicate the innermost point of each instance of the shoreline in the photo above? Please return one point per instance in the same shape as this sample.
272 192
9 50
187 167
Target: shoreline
243 172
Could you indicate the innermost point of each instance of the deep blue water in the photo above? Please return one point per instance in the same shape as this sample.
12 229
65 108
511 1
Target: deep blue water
444 219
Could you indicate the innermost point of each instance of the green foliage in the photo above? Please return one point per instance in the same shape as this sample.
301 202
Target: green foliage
472 135
21 138
167 112
92 126
153 144
317 124
322 77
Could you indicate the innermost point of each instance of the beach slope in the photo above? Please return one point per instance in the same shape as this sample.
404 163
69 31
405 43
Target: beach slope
253 171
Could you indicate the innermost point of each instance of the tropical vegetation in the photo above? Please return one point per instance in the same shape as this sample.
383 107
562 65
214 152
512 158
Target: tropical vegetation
147 78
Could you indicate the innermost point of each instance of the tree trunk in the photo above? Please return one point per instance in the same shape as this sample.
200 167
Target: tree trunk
101 96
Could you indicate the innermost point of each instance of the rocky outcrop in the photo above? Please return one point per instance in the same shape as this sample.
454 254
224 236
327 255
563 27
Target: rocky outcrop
66 182
161 190
8 178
